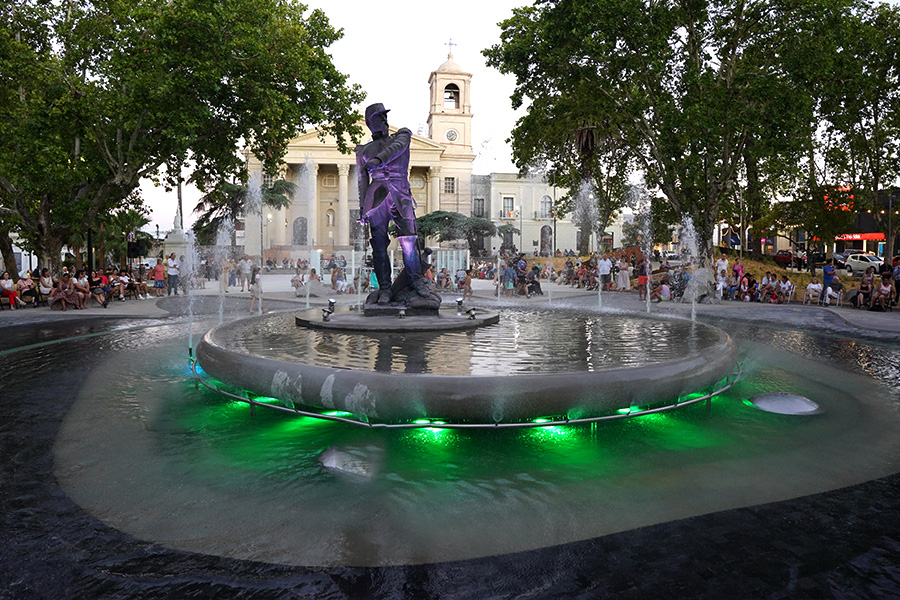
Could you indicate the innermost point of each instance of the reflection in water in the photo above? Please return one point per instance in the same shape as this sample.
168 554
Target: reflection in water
523 342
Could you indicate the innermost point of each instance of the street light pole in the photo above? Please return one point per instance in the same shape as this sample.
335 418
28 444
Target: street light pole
521 243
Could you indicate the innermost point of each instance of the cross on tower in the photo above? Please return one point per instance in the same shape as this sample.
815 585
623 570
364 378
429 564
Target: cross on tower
450 44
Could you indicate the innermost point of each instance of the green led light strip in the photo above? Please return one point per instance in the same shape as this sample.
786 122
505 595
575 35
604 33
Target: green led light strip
339 416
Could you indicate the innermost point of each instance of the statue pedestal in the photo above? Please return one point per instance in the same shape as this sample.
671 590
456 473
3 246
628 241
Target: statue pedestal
175 242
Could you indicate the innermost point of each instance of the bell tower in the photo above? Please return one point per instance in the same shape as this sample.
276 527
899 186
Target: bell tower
450 112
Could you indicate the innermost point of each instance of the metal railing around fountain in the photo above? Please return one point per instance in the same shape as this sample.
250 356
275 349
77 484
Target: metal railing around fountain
623 413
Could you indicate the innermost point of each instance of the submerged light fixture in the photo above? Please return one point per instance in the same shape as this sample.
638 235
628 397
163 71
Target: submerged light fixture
402 313
327 312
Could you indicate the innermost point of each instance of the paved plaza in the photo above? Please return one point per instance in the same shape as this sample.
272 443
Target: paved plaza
843 543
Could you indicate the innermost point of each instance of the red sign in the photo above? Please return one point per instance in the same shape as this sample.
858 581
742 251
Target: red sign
852 237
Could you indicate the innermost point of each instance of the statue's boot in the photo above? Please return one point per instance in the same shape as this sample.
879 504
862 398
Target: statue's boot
381 264
412 262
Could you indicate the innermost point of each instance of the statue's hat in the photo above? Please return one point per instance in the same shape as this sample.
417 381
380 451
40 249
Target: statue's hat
374 109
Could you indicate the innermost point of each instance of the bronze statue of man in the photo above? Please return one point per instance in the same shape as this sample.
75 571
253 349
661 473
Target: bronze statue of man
384 194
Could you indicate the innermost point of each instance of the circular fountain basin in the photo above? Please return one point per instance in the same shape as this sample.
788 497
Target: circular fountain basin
533 364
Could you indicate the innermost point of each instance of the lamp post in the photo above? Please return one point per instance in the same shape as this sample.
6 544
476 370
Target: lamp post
521 243
266 246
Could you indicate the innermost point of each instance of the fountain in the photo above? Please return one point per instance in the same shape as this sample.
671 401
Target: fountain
151 476
355 365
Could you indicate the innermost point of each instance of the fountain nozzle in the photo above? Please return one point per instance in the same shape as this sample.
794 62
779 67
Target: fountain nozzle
459 303
471 313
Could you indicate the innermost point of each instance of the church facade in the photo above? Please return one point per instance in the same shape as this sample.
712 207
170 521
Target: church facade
323 215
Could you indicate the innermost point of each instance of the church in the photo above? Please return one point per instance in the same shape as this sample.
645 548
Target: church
323 215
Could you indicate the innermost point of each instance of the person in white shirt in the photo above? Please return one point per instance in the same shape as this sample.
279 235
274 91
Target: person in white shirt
172 267
605 269
813 291
722 263
244 271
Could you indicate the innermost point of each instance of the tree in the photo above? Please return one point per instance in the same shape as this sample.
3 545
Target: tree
449 226
229 202
118 227
861 110
824 213
684 85
102 94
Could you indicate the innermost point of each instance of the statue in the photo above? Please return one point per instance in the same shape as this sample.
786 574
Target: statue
384 194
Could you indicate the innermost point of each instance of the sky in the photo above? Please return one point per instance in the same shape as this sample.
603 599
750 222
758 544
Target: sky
390 48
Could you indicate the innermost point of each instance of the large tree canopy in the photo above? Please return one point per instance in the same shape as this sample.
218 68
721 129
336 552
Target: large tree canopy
689 88
95 95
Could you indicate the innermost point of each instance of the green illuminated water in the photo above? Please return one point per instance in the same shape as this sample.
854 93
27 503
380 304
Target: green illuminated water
155 457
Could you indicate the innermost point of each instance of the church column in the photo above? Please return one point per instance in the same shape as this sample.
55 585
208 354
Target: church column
434 198
343 216
312 215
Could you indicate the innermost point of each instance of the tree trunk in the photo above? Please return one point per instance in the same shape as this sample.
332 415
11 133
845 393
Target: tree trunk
6 250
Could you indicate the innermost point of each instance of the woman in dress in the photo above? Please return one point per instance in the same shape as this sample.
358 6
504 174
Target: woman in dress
8 290
47 283
26 289
865 288
622 276
65 294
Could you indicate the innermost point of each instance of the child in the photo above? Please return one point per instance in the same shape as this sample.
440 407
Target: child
256 289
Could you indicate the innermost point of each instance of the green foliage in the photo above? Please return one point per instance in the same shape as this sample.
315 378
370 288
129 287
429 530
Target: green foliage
861 108
686 91
95 96
449 226
228 202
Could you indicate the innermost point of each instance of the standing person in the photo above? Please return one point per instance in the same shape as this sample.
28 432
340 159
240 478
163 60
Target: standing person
384 195
738 268
604 267
256 289
622 281
245 268
172 269
158 272
643 270
828 272
467 285
509 280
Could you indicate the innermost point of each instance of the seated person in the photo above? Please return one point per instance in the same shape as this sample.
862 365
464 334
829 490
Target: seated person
767 286
835 290
784 289
744 289
661 292
534 281
722 284
732 286
813 292
443 279
27 290
883 293
864 291
754 288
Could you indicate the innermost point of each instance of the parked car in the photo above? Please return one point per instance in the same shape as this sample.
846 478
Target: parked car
858 263
786 259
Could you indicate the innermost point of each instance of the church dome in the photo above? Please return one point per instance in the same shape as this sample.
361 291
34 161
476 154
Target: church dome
450 66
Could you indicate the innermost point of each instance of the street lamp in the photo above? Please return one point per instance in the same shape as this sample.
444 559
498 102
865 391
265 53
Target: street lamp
521 243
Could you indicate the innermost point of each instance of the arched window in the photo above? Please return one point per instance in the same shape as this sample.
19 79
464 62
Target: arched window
451 96
546 207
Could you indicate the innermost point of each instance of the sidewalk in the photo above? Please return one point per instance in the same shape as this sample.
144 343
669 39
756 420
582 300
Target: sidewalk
876 326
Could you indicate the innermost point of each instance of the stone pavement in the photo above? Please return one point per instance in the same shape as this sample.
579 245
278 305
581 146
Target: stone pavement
874 326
